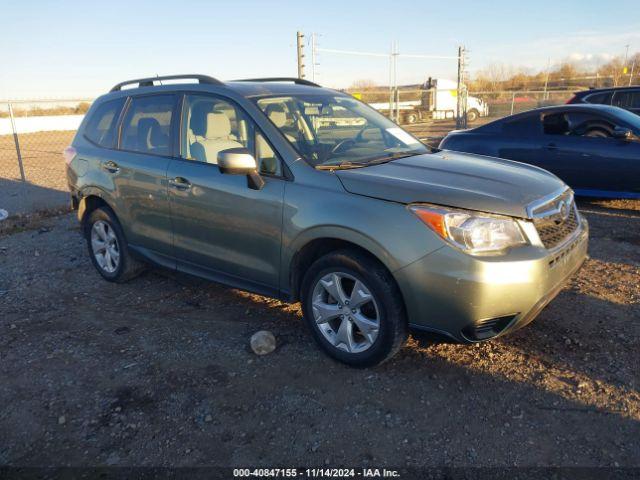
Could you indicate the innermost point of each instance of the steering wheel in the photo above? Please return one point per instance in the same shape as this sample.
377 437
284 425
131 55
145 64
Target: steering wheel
342 145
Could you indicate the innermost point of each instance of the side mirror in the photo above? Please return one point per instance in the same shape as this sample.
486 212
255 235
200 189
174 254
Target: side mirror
239 161
622 133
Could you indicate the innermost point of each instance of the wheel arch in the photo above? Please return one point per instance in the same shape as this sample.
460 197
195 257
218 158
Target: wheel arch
308 249
91 199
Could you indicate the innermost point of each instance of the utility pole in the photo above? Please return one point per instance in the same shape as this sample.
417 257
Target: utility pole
461 108
313 57
391 62
546 79
633 67
626 54
300 48
396 94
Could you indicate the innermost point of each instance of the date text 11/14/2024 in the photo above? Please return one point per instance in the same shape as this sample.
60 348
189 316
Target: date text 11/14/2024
315 473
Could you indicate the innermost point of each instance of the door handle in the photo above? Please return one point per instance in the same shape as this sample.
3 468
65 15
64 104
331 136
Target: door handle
180 183
111 167
552 146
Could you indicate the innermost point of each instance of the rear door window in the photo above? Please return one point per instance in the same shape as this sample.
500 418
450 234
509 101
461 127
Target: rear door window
101 127
146 127
627 99
523 126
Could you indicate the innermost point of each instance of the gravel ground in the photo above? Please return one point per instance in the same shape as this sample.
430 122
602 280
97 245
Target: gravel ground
159 372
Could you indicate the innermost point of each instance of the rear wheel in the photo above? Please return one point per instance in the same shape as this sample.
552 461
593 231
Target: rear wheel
353 308
411 118
108 248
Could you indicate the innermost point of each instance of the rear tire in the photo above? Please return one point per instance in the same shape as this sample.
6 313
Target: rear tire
108 247
366 325
411 118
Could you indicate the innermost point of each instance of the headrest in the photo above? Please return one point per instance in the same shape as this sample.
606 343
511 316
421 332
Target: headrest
277 115
149 132
218 125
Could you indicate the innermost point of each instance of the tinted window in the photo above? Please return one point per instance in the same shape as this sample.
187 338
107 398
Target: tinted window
600 98
527 125
630 99
585 124
212 125
556 124
146 127
101 127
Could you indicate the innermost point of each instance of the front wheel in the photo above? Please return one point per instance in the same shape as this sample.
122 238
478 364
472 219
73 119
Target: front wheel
472 116
354 308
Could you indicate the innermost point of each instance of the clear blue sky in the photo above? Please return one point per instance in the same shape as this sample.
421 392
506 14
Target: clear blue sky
81 48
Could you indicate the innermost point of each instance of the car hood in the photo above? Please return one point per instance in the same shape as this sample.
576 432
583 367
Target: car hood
473 182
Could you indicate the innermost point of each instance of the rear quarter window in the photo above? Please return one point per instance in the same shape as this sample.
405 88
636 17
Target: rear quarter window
603 98
102 125
523 126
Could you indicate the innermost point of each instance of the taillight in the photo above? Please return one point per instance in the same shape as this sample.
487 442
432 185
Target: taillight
69 154
572 100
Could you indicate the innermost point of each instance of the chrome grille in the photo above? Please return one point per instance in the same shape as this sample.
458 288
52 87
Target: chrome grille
556 220
553 234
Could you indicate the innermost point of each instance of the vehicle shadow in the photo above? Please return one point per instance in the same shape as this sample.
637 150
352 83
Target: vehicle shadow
17 197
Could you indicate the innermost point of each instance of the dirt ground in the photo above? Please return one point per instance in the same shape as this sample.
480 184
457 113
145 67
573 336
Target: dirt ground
43 166
159 372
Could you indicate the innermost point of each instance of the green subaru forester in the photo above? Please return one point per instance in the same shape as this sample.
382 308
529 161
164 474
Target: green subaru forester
290 190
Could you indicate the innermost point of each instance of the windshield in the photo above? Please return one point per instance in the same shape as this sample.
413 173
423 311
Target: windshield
330 130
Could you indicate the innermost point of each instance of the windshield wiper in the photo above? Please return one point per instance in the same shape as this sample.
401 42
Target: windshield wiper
367 163
389 158
341 166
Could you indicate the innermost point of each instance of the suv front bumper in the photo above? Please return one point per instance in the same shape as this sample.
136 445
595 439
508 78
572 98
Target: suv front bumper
468 299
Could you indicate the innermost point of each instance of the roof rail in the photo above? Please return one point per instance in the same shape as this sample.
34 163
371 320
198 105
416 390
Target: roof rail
148 82
296 80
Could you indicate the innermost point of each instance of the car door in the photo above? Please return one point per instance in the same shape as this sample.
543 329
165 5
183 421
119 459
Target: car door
139 168
583 152
222 228
520 139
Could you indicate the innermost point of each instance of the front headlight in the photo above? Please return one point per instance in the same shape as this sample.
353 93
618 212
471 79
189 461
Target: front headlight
471 232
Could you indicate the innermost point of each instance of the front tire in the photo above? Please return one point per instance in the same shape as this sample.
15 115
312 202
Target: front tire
472 115
108 248
354 308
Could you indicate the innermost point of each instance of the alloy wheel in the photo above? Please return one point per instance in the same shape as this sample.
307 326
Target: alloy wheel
345 312
104 245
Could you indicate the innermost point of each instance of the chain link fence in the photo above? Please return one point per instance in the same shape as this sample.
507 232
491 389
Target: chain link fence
503 103
32 136
34 133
